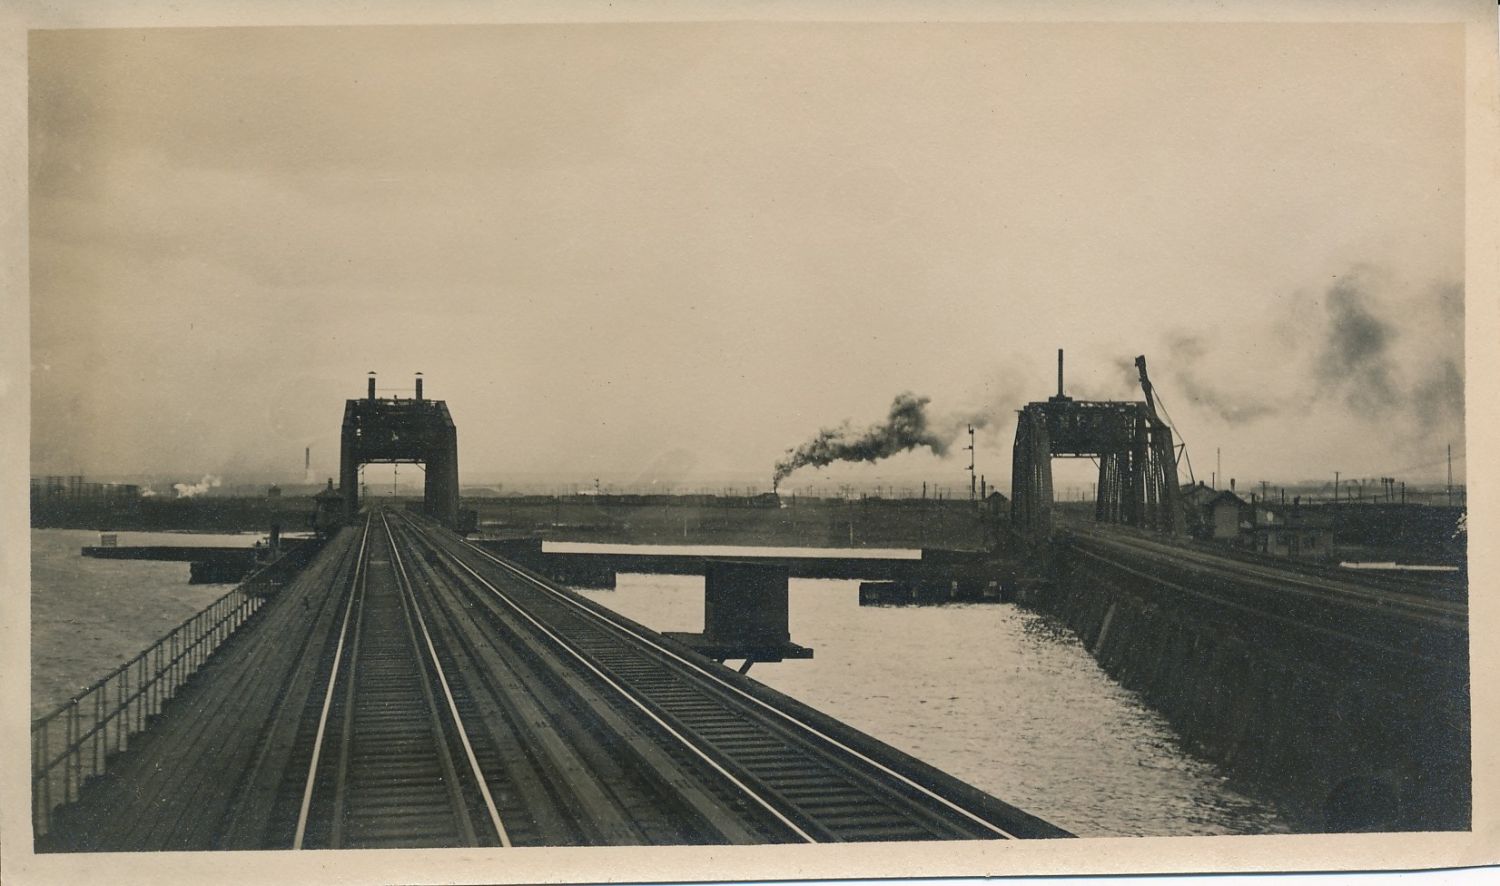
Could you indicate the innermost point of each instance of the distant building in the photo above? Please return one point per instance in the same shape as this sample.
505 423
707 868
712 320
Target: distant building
1296 532
1225 515
328 509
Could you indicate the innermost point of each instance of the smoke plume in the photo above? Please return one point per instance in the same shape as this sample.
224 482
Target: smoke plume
1439 392
1186 352
1355 357
188 490
907 427
1379 349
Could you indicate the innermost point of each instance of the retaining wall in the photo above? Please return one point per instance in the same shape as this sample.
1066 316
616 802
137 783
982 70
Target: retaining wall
1339 740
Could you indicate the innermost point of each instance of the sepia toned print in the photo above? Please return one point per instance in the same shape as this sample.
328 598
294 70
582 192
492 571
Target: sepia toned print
690 438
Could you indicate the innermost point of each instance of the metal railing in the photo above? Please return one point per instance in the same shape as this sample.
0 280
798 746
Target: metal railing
77 739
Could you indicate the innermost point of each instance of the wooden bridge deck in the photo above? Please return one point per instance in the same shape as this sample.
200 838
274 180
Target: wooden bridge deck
552 721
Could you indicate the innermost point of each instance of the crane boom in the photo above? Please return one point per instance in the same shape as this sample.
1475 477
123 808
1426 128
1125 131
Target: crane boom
1140 365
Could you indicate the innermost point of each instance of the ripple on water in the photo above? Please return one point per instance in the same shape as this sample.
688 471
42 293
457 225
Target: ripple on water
996 695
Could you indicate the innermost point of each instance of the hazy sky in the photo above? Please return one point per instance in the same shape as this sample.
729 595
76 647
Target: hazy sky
674 251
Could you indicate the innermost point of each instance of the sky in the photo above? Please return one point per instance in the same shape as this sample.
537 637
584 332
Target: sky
665 254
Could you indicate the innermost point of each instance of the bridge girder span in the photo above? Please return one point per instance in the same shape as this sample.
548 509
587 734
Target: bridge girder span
380 431
1137 463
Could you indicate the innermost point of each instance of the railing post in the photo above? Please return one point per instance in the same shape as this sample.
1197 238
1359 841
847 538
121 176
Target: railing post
142 686
77 749
98 731
125 701
69 734
140 693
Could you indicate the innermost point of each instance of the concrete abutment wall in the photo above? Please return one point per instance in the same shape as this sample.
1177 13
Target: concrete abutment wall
1339 740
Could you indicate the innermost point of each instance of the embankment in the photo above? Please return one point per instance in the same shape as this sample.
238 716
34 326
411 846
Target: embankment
1340 738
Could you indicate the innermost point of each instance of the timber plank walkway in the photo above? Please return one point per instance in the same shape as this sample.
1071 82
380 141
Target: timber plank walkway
182 769
561 724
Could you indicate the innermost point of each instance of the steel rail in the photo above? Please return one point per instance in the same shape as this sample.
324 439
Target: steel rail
346 736
357 585
479 777
1272 616
1434 612
720 683
630 697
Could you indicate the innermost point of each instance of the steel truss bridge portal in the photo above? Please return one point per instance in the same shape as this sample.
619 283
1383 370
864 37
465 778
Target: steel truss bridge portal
1136 456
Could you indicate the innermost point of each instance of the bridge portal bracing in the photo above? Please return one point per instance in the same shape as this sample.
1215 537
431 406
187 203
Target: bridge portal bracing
1137 462
414 431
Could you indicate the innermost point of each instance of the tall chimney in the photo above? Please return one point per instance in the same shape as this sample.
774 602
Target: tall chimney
372 387
419 386
1059 373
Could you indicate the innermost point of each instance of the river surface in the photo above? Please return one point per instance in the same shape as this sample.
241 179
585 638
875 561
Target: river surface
991 693
89 616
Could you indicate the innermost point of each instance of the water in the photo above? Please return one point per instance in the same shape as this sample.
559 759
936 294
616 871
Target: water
89 616
992 694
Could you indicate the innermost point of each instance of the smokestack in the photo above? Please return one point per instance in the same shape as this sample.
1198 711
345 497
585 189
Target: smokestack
372 387
419 386
307 459
1059 373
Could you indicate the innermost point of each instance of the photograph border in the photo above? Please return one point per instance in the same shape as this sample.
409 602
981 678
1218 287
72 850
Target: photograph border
1090 856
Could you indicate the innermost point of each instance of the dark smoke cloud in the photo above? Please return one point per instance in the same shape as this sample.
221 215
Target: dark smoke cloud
1233 409
907 427
1352 351
1185 353
1355 356
1439 393
1185 347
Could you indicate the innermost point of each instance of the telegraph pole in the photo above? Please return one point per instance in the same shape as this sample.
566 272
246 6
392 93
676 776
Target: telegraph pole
972 481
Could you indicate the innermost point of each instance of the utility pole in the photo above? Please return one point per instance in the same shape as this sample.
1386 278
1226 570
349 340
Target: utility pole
970 447
1218 465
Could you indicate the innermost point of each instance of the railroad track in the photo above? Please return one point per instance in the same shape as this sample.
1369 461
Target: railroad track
389 759
1384 630
787 780
1445 614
